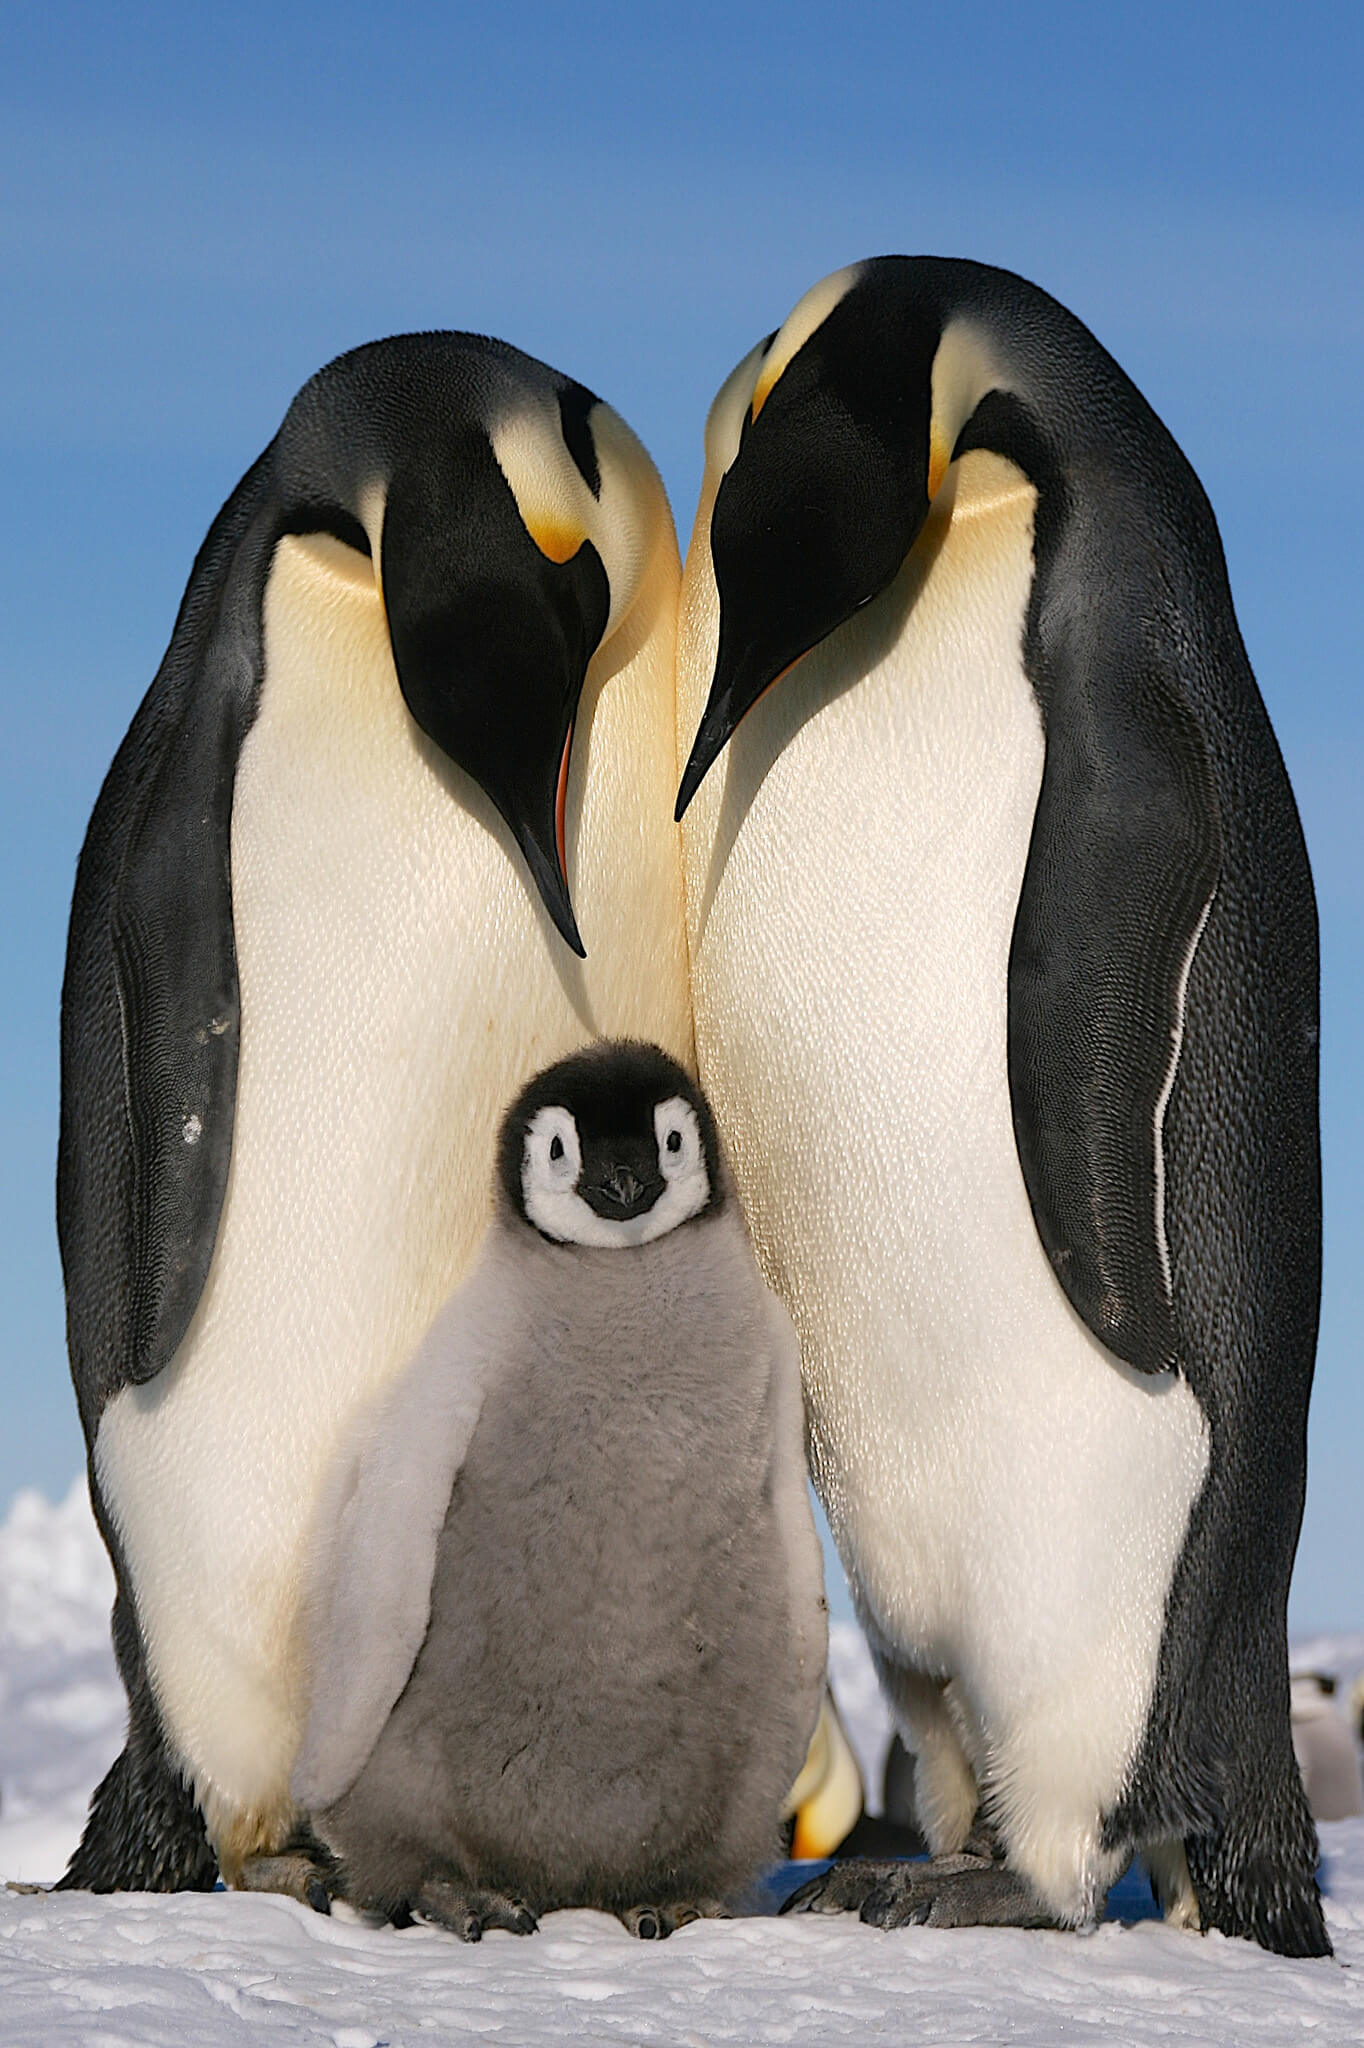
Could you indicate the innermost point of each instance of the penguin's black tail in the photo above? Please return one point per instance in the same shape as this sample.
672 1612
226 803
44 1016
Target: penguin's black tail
144 1833
1217 1772
1256 1875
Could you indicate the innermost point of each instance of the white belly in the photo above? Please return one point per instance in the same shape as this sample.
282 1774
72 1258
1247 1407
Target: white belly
398 984
1009 1500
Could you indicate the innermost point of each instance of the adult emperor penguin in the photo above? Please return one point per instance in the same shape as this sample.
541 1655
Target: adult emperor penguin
569 1629
422 678
1003 894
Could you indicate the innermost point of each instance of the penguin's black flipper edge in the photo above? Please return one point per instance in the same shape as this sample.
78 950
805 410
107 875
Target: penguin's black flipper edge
176 975
150 1001
1121 875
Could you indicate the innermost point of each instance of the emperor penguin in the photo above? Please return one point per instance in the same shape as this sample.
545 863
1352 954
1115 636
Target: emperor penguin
569 1630
1325 1746
1003 896
421 680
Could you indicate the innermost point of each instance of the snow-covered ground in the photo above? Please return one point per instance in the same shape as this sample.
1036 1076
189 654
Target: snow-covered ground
135 1971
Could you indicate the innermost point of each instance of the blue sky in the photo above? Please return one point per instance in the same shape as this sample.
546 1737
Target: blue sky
199 207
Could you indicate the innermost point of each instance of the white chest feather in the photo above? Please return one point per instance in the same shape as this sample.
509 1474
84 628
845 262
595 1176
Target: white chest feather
399 982
1009 1500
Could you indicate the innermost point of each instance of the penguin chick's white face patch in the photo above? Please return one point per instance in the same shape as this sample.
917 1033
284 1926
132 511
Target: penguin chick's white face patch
551 1168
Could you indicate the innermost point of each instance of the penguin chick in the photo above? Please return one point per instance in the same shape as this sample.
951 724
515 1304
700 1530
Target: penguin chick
568 1628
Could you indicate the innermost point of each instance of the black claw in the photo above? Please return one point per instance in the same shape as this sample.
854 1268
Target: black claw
816 1896
524 1921
472 1929
401 1916
646 1927
317 1895
884 1910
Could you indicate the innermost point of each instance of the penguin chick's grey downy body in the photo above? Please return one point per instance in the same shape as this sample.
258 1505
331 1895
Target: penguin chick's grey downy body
322 932
1004 889
568 1619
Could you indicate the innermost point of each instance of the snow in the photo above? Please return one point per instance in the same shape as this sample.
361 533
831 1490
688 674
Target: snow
61 1704
136 1971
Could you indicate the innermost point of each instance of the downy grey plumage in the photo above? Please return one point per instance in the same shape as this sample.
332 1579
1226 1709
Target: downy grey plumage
568 1625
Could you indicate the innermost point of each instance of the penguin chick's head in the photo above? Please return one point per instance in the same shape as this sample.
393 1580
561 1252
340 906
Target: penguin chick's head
612 1147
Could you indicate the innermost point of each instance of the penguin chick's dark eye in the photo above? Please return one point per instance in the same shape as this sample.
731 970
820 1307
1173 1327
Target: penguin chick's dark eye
674 1141
556 1147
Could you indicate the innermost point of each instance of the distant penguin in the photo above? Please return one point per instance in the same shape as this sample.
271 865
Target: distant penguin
569 1627
422 678
1003 892
1324 1744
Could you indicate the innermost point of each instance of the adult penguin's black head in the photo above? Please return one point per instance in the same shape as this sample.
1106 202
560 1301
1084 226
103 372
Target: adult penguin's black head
508 514
612 1147
833 441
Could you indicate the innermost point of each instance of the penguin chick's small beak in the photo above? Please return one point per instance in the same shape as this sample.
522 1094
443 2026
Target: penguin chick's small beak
623 1187
618 1194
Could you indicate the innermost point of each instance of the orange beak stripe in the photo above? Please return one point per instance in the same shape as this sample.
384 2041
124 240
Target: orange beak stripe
939 461
779 677
560 803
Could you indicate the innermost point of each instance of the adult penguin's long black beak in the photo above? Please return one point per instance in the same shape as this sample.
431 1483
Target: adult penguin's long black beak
492 639
814 517
737 685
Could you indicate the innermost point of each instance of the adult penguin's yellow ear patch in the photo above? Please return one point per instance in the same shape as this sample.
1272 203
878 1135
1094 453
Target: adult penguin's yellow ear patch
939 460
557 538
373 504
551 495
813 310
964 369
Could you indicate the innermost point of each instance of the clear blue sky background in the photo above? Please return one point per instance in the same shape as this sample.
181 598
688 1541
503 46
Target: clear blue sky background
199 206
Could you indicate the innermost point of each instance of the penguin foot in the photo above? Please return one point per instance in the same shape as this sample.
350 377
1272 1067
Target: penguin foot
470 1914
984 1841
656 1923
311 1876
945 1891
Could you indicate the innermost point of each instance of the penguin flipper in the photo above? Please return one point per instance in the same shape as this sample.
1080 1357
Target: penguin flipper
1121 873
378 1526
150 1000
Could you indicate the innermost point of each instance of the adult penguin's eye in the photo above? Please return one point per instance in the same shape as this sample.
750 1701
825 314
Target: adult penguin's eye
674 1141
556 1147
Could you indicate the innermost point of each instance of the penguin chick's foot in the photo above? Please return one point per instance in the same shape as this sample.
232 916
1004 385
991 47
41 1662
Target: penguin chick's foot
309 1875
469 1913
656 1923
945 1891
